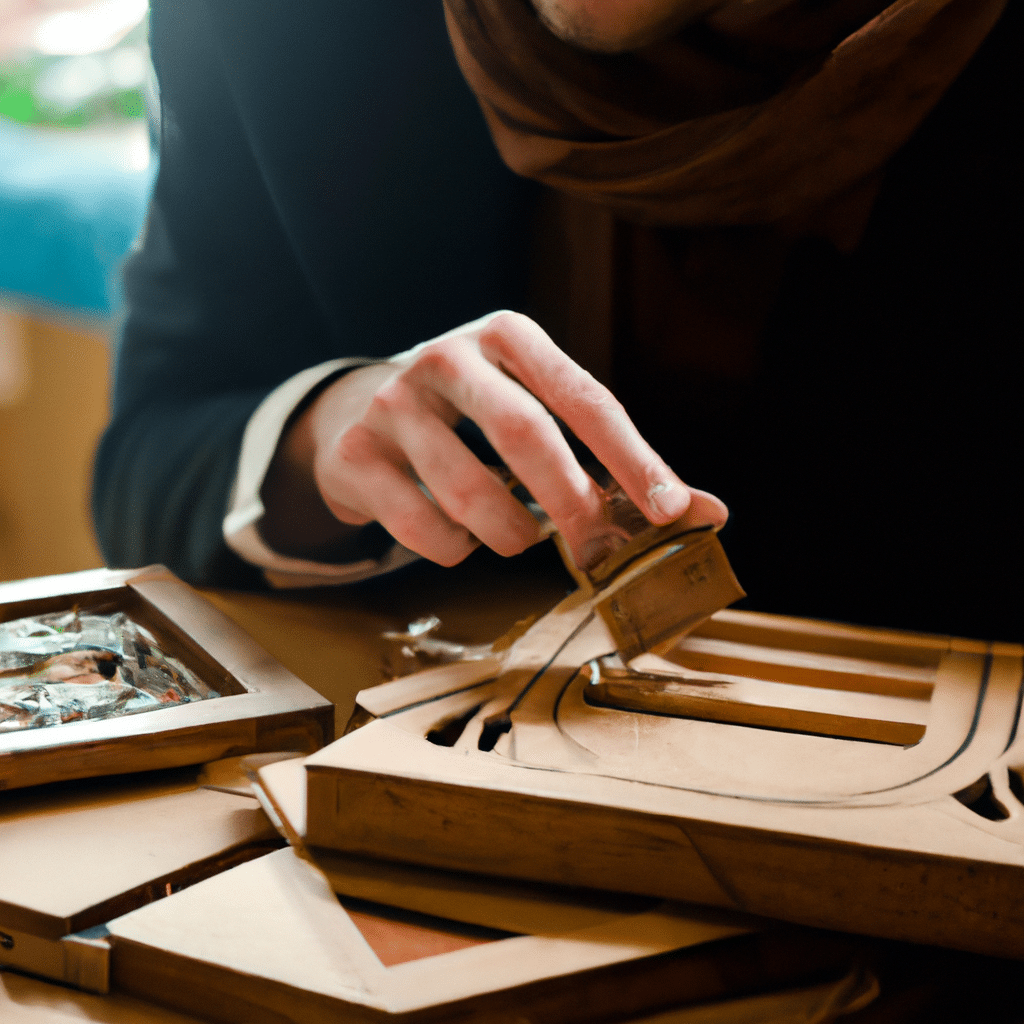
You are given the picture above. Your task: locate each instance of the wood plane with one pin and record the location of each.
(292, 938)
(75, 855)
(842, 777)
(262, 706)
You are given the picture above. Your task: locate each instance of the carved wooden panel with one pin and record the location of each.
(830, 775)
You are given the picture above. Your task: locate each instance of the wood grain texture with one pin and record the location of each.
(513, 906)
(654, 609)
(295, 937)
(716, 697)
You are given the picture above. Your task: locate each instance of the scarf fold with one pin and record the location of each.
(717, 126)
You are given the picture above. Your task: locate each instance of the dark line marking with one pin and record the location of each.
(1016, 717)
(561, 694)
(811, 802)
(619, 570)
(982, 690)
(440, 696)
(565, 643)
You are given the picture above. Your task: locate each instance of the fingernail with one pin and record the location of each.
(668, 499)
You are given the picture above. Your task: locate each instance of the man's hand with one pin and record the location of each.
(371, 438)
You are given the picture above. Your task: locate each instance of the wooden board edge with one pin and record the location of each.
(480, 831)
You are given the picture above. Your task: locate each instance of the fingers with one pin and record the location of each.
(467, 492)
(361, 478)
(524, 434)
(705, 509)
(590, 410)
(495, 385)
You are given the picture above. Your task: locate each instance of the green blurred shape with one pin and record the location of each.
(19, 105)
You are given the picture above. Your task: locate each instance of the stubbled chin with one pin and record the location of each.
(616, 27)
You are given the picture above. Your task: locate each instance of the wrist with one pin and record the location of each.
(296, 521)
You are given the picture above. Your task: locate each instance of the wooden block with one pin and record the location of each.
(506, 904)
(656, 608)
(263, 707)
(80, 960)
(859, 779)
(716, 697)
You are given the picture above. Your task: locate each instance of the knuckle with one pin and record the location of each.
(465, 492)
(463, 496)
(356, 446)
(441, 359)
(407, 528)
(575, 390)
(597, 395)
(510, 333)
(391, 399)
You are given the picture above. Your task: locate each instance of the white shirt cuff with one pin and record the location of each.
(246, 507)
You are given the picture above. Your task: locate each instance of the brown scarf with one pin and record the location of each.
(771, 121)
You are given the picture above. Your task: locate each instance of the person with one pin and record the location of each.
(328, 200)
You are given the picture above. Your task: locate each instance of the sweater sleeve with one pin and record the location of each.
(327, 190)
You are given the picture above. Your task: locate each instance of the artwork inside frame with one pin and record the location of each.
(74, 666)
(258, 705)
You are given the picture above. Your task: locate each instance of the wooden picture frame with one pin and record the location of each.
(263, 707)
(835, 776)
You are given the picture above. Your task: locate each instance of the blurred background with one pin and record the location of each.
(77, 163)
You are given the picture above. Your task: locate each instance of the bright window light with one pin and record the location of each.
(89, 30)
